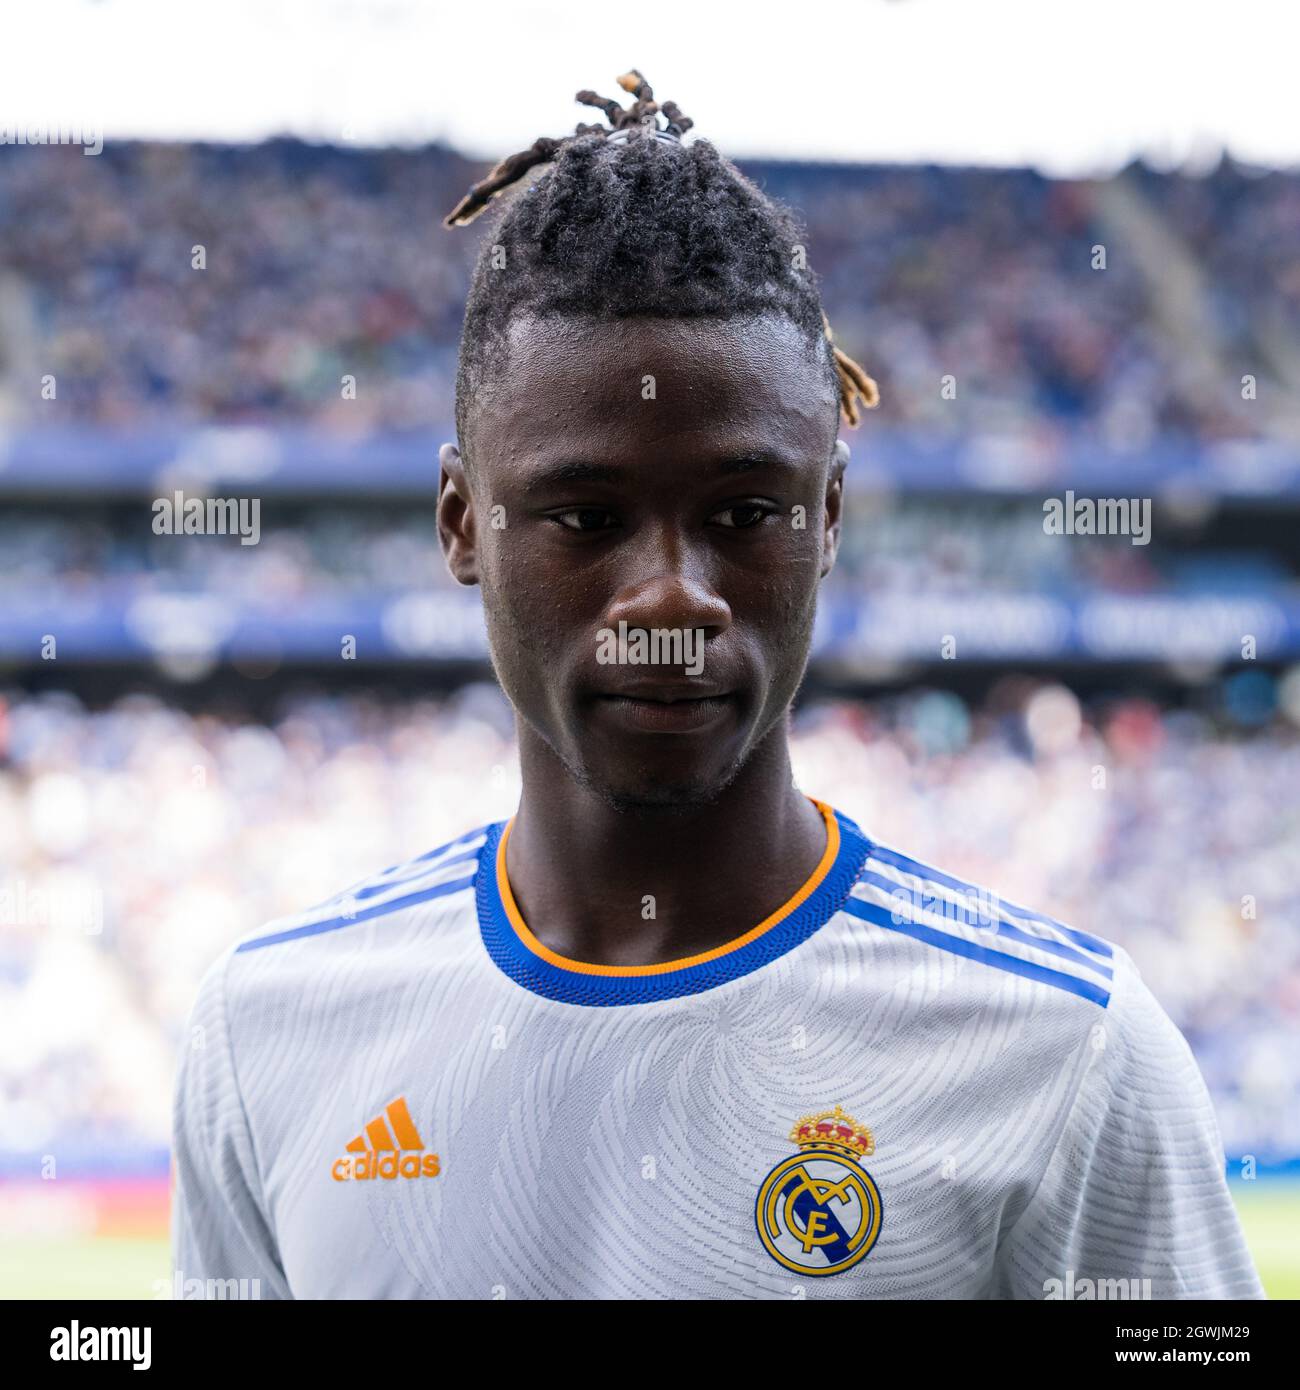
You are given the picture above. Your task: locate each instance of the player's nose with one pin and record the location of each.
(668, 587)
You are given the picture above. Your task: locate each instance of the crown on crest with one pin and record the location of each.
(833, 1129)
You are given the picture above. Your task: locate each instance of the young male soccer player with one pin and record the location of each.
(676, 1029)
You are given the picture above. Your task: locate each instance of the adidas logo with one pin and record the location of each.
(378, 1156)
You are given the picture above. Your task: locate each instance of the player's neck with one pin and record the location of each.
(618, 887)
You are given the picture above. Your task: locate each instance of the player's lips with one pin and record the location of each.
(666, 708)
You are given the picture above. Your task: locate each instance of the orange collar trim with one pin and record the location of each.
(515, 917)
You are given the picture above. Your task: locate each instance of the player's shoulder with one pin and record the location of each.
(936, 911)
(436, 878)
(1059, 988)
(311, 970)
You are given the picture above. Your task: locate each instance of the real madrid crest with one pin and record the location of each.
(819, 1212)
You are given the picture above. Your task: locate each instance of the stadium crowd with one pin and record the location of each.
(138, 840)
(321, 262)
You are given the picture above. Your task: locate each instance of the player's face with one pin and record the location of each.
(679, 477)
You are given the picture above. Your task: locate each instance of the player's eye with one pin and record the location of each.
(585, 519)
(742, 516)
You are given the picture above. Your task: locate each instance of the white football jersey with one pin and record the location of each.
(896, 1086)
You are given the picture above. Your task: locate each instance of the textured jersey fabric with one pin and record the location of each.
(896, 1087)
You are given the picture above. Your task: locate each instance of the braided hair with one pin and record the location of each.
(631, 221)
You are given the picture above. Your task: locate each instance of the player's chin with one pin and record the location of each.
(667, 775)
(661, 795)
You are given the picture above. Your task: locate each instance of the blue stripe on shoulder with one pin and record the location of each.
(381, 883)
(380, 886)
(1095, 944)
(374, 886)
(999, 960)
(439, 890)
(432, 853)
(1003, 929)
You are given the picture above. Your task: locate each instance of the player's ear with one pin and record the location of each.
(456, 520)
(834, 506)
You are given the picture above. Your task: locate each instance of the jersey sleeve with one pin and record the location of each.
(220, 1229)
(1135, 1188)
